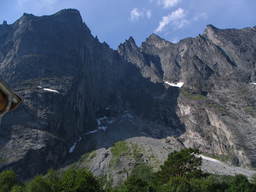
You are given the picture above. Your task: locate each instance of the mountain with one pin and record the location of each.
(88, 105)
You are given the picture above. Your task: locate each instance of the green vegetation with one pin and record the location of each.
(129, 150)
(253, 179)
(180, 173)
(181, 164)
(192, 96)
(136, 152)
(88, 156)
(71, 180)
(119, 149)
(7, 180)
(17, 189)
(250, 110)
(217, 107)
(141, 179)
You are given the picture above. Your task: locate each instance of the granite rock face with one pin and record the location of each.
(55, 65)
(80, 95)
(216, 103)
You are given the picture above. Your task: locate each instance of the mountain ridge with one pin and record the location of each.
(80, 95)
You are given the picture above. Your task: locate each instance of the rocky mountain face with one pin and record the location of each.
(81, 96)
(216, 103)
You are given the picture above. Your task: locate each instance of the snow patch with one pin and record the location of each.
(48, 89)
(253, 83)
(209, 159)
(103, 128)
(178, 84)
(91, 132)
(102, 124)
(73, 147)
(127, 115)
(101, 120)
(51, 90)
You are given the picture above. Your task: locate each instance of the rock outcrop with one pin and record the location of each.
(80, 95)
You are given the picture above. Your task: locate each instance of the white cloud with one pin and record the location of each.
(163, 23)
(137, 14)
(177, 18)
(177, 14)
(168, 3)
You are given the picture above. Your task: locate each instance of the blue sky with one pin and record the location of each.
(113, 21)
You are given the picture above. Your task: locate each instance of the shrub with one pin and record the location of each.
(177, 184)
(17, 189)
(192, 96)
(120, 148)
(38, 184)
(7, 181)
(79, 180)
(240, 183)
(181, 164)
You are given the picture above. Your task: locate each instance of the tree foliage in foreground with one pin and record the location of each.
(7, 181)
(71, 180)
(184, 163)
(180, 173)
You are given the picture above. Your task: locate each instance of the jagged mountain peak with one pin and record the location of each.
(211, 26)
(155, 41)
(154, 37)
(26, 17)
(210, 29)
(131, 41)
(129, 44)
